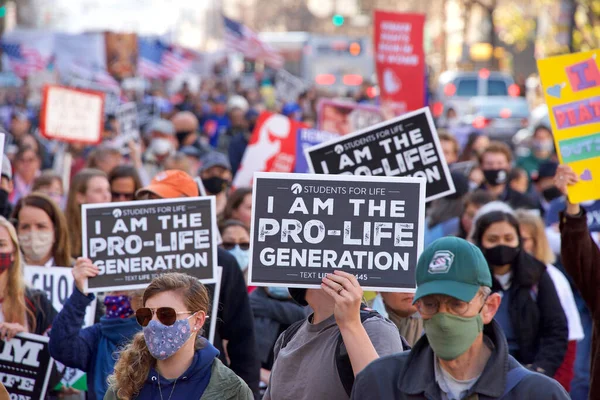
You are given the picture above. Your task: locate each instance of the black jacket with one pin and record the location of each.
(271, 318)
(37, 302)
(410, 375)
(539, 324)
(235, 323)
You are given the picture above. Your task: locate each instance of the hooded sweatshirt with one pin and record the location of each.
(89, 349)
(190, 385)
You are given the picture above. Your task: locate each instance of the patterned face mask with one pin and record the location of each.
(163, 341)
(118, 307)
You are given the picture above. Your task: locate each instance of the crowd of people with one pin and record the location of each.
(513, 318)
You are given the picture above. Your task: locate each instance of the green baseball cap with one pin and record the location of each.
(454, 267)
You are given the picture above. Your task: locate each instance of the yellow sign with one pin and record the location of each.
(572, 89)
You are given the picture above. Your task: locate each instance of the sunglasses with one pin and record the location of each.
(166, 315)
(231, 245)
(117, 195)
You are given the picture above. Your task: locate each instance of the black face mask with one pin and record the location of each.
(495, 177)
(551, 193)
(182, 135)
(501, 255)
(215, 185)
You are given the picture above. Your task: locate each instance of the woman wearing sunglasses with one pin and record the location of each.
(236, 240)
(92, 349)
(170, 360)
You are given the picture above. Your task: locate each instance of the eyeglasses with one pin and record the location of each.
(166, 315)
(117, 195)
(231, 245)
(430, 305)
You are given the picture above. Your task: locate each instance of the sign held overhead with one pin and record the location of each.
(305, 226)
(404, 146)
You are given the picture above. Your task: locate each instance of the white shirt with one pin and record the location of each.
(565, 295)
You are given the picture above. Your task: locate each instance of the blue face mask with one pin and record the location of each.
(163, 341)
(241, 256)
(279, 293)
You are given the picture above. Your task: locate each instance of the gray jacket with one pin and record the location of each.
(410, 375)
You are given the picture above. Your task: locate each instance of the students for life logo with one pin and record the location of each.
(117, 213)
(296, 188)
(441, 262)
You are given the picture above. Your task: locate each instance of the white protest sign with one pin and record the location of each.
(72, 115)
(58, 284)
(288, 87)
(215, 306)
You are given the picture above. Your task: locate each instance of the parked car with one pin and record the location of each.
(456, 88)
(498, 117)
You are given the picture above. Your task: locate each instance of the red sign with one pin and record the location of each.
(400, 60)
(72, 115)
(272, 148)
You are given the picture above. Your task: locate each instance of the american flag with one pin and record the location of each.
(243, 39)
(96, 75)
(157, 60)
(24, 60)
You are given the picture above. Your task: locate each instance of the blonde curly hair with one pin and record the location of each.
(135, 361)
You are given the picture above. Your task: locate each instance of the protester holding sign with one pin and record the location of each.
(581, 259)
(93, 349)
(236, 241)
(530, 315)
(171, 356)
(89, 186)
(43, 232)
(463, 353)
(314, 341)
(215, 172)
(23, 310)
(234, 318)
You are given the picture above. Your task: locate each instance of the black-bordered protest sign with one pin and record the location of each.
(403, 146)
(25, 365)
(58, 284)
(304, 226)
(127, 116)
(133, 242)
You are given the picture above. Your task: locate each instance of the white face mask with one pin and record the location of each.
(161, 147)
(36, 245)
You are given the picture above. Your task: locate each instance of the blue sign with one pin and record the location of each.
(592, 208)
(308, 138)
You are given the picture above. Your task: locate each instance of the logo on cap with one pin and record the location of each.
(441, 262)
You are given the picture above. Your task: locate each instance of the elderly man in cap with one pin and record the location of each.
(215, 172)
(235, 323)
(463, 354)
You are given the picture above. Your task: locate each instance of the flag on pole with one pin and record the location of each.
(158, 60)
(24, 60)
(240, 38)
